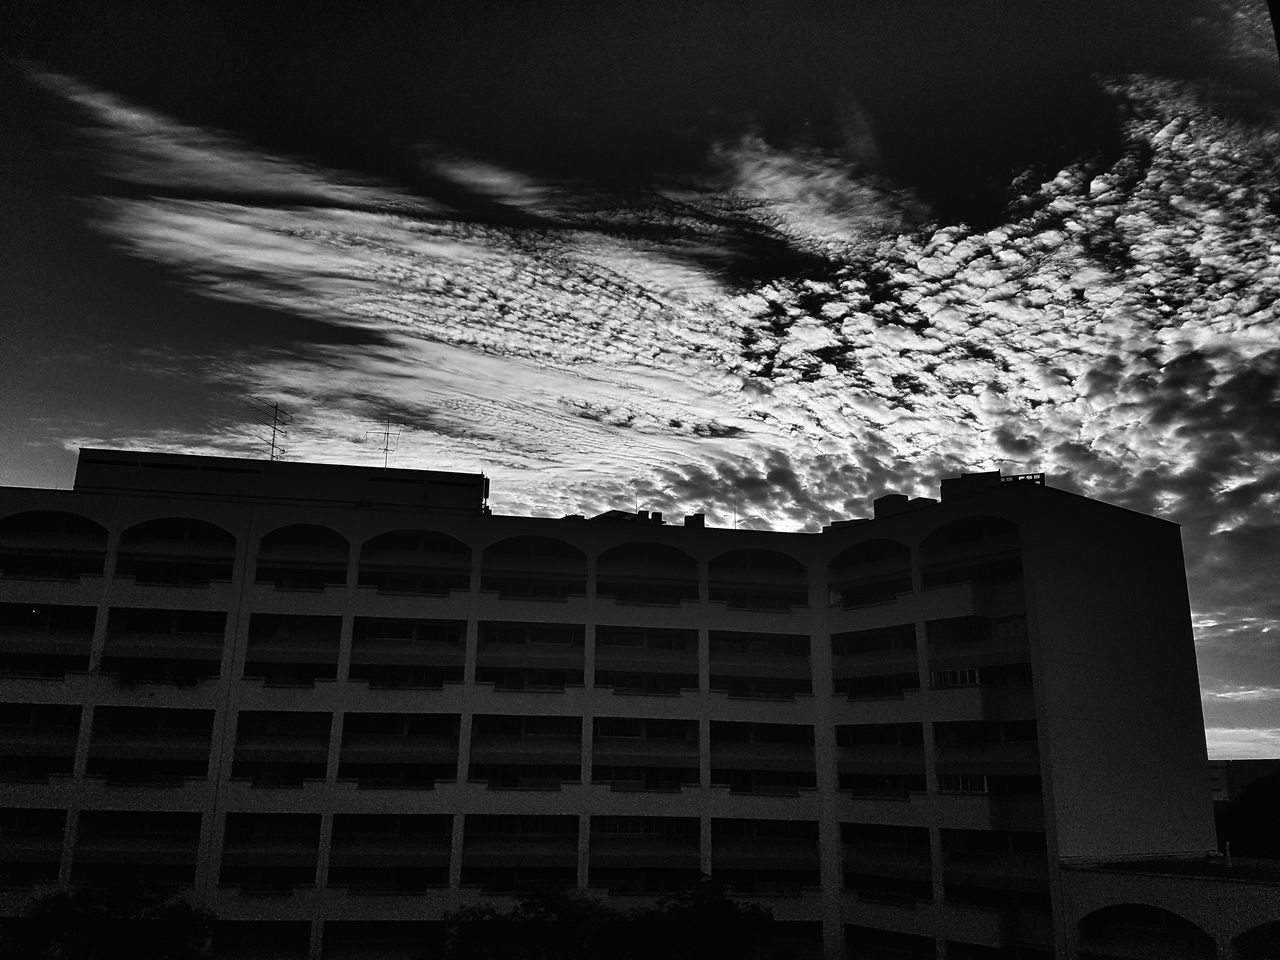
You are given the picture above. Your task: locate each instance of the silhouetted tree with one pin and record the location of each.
(553, 924)
(108, 922)
(1250, 822)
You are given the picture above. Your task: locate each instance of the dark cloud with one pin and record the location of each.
(616, 92)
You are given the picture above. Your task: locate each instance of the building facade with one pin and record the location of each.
(332, 704)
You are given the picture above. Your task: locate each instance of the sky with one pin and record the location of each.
(760, 259)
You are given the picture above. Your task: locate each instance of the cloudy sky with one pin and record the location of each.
(758, 256)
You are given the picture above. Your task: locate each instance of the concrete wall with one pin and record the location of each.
(1117, 682)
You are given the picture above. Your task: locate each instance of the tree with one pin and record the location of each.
(1250, 822)
(554, 924)
(106, 922)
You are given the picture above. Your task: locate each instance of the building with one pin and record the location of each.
(333, 703)
(1230, 778)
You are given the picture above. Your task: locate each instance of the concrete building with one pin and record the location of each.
(333, 703)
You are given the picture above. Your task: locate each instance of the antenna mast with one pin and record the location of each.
(274, 422)
(389, 437)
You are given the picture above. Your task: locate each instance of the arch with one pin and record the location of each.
(758, 580)
(1259, 943)
(645, 572)
(1140, 931)
(51, 545)
(302, 556)
(534, 568)
(176, 550)
(980, 548)
(415, 561)
(873, 571)
(521, 551)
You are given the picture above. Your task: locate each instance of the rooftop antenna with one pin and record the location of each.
(274, 422)
(389, 435)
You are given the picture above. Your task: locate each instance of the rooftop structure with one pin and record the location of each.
(333, 703)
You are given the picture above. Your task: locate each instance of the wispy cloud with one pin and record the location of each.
(1242, 743)
(1246, 694)
(784, 338)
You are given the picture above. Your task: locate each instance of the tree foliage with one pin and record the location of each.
(109, 922)
(1250, 822)
(554, 924)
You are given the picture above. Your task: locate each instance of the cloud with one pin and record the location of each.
(1242, 743)
(781, 335)
(1248, 694)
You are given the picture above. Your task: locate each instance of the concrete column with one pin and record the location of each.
(83, 736)
(455, 852)
(584, 850)
(704, 788)
(464, 747)
(589, 653)
(335, 746)
(704, 660)
(100, 624)
(825, 755)
(345, 641)
(472, 642)
(69, 834)
(322, 856)
(704, 842)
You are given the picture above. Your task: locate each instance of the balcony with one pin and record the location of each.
(401, 652)
(763, 580)
(985, 811)
(984, 926)
(764, 853)
(645, 752)
(37, 741)
(639, 659)
(915, 919)
(51, 545)
(44, 640)
(982, 702)
(647, 591)
(149, 756)
(172, 644)
(1001, 871)
(270, 852)
(897, 861)
(645, 852)
(546, 656)
(879, 759)
(1012, 758)
(390, 853)
(502, 853)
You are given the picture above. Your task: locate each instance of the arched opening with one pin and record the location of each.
(302, 557)
(51, 545)
(176, 550)
(758, 580)
(982, 549)
(647, 573)
(417, 562)
(1134, 931)
(1260, 943)
(874, 571)
(534, 568)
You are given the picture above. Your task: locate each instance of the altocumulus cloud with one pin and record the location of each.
(1116, 330)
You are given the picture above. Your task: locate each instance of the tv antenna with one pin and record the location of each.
(388, 436)
(273, 422)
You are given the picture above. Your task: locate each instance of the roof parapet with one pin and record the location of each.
(892, 504)
(968, 484)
